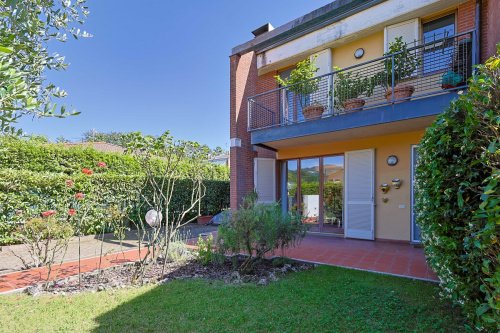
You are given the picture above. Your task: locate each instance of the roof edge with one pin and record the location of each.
(314, 20)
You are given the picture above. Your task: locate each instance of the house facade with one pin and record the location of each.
(340, 148)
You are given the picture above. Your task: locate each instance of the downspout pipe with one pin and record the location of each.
(477, 23)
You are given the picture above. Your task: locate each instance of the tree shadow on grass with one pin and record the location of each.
(321, 300)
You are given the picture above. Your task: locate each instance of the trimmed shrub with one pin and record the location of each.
(458, 198)
(258, 229)
(25, 194)
(33, 155)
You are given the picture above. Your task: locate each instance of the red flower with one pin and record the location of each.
(79, 196)
(70, 183)
(71, 212)
(48, 213)
(101, 165)
(87, 171)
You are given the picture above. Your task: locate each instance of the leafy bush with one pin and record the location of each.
(24, 194)
(206, 253)
(258, 229)
(44, 238)
(34, 155)
(458, 198)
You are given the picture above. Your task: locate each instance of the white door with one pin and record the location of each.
(359, 194)
(265, 179)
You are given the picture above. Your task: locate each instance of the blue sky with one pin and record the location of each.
(158, 65)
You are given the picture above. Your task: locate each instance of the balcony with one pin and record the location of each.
(364, 94)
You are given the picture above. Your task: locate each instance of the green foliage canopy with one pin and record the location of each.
(458, 197)
(26, 28)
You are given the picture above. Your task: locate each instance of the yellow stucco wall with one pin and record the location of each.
(391, 221)
(343, 56)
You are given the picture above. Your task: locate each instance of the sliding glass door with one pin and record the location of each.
(315, 188)
(333, 194)
(310, 192)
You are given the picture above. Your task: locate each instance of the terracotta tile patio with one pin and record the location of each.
(382, 257)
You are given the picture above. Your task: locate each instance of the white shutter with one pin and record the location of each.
(359, 205)
(409, 30)
(265, 179)
(323, 62)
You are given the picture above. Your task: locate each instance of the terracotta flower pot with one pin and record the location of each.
(401, 91)
(204, 219)
(313, 111)
(353, 104)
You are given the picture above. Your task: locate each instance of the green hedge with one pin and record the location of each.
(33, 155)
(25, 194)
(458, 198)
(33, 175)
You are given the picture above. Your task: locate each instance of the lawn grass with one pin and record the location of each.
(326, 299)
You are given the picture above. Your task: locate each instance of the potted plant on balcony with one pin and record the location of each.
(401, 69)
(349, 86)
(302, 83)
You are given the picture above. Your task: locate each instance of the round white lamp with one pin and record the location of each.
(153, 218)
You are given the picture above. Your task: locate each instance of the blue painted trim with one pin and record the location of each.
(412, 109)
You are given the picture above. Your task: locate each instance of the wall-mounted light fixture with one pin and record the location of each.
(359, 53)
(392, 160)
(384, 188)
(396, 183)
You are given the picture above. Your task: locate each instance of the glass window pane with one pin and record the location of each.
(309, 190)
(333, 194)
(291, 184)
(438, 55)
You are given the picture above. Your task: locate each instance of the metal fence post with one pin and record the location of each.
(393, 76)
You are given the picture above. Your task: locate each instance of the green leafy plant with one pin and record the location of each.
(458, 197)
(301, 80)
(206, 251)
(33, 175)
(405, 64)
(349, 85)
(26, 28)
(44, 238)
(258, 229)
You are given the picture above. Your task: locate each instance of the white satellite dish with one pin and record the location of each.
(153, 218)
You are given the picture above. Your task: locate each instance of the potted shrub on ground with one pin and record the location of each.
(301, 82)
(349, 86)
(404, 65)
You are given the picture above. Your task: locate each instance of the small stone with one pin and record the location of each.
(286, 268)
(263, 282)
(101, 287)
(63, 293)
(33, 290)
(272, 277)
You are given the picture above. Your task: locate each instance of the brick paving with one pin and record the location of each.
(382, 257)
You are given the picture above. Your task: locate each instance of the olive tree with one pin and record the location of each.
(26, 28)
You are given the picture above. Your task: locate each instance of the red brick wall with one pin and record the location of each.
(489, 32)
(490, 28)
(244, 82)
(466, 16)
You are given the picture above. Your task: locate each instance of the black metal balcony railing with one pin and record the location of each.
(433, 67)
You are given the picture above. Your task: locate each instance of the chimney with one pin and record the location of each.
(261, 30)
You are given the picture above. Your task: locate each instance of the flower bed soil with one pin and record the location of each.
(117, 277)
